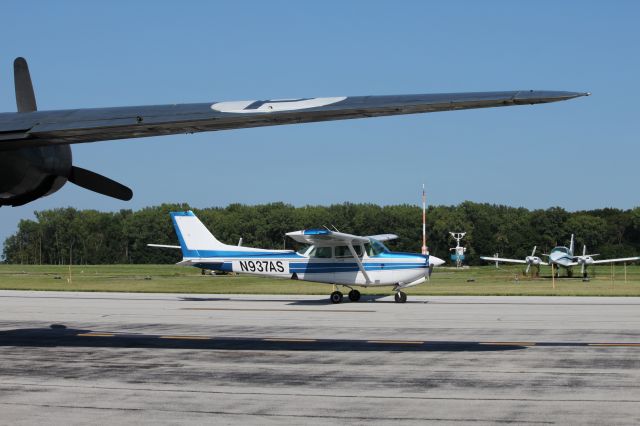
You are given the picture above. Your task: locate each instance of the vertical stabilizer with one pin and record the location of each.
(25, 97)
(193, 235)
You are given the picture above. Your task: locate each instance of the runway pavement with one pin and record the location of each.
(108, 358)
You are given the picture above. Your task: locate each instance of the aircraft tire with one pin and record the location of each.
(401, 297)
(336, 297)
(354, 295)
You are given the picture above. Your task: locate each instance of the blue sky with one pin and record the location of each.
(580, 154)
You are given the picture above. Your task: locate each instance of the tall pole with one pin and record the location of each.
(424, 221)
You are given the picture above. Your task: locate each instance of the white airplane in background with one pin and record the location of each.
(327, 256)
(562, 256)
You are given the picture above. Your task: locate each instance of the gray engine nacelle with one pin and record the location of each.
(30, 173)
(585, 260)
(533, 260)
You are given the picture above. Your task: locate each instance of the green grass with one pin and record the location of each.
(487, 280)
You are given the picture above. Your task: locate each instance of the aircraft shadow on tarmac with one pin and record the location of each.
(315, 302)
(58, 335)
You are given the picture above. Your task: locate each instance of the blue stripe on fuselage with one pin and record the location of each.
(323, 268)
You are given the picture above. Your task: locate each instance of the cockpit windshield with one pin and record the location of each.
(560, 250)
(375, 247)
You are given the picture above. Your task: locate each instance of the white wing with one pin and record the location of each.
(383, 237)
(504, 260)
(501, 259)
(620, 260)
(325, 237)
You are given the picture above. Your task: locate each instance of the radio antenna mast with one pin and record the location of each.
(424, 222)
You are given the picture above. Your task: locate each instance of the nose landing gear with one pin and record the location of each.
(401, 297)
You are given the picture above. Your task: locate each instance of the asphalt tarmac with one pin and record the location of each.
(108, 358)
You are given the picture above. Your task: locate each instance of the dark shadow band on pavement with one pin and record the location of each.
(60, 336)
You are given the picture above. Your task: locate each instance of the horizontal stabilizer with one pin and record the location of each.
(191, 262)
(100, 184)
(163, 246)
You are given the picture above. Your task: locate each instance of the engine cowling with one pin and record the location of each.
(585, 260)
(533, 260)
(30, 173)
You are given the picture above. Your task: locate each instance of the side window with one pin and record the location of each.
(321, 252)
(343, 251)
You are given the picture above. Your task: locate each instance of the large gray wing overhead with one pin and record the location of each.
(40, 128)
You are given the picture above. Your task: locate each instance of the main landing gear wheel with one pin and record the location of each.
(401, 297)
(354, 295)
(336, 297)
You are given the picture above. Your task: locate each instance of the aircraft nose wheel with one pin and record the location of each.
(336, 297)
(354, 295)
(401, 297)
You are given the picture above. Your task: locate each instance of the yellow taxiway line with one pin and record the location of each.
(509, 343)
(96, 335)
(614, 344)
(185, 337)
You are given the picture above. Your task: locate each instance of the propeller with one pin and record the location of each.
(98, 183)
(26, 102)
(585, 260)
(532, 260)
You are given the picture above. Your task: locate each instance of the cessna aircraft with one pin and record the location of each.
(326, 256)
(562, 256)
(35, 152)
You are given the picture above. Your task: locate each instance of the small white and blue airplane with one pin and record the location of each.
(562, 257)
(326, 256)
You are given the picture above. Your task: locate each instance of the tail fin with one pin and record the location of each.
(571, 246)
(25, 97)
(193, 235)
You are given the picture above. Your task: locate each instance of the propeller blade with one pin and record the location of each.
(533, 253)
(100, 184)
(584, 250)
(527, 270)
(582, 269)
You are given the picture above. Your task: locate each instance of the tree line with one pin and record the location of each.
(67, 235)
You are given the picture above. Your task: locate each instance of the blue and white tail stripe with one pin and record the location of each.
(196, 241)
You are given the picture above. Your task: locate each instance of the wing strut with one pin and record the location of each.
(359, 262)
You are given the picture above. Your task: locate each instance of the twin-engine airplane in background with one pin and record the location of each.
(327, 256)
(562, 257)
(35, 152)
